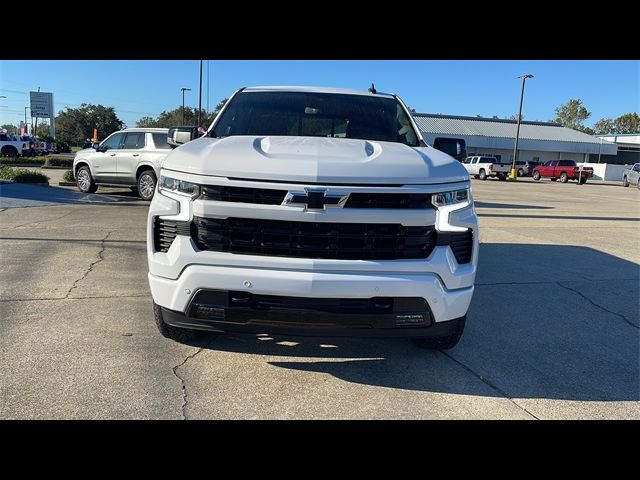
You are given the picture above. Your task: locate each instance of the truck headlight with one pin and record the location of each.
(179, 186)
(451, 198)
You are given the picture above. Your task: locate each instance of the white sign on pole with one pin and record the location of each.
(42, 107)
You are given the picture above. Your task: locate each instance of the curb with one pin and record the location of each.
(23, 165)
(46, 167)
(67, 184)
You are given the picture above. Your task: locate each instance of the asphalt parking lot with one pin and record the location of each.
(552, 330)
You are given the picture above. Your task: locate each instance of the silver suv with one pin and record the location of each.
(127, 158)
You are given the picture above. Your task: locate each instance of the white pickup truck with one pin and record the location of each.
(11, 145)
(313, 211)
(483, 166)
(631, 176)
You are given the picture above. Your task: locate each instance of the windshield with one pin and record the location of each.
(303, 114)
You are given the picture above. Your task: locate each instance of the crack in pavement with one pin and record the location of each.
(629, 322)
(552, 281)
(141, 295)
(44, 221)
(93, 264)
(183, 384)
(488, 383)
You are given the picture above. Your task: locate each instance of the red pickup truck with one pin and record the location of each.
(564, 170)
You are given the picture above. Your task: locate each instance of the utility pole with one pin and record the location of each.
(183, 89)
(600, 150)
(513, 175)
(35, 129)
(200, 95)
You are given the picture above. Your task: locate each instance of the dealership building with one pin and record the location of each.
(539, 141)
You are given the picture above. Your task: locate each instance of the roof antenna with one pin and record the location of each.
(372, 89)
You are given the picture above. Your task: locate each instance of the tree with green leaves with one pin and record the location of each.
(10, 128)
(173, 117)
(74, 125)
(572, 114)
(627, 123)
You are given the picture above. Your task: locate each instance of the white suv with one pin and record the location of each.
(312, 211)
(128, 158)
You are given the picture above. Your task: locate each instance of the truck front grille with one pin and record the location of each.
(345, 241)
(267, 196)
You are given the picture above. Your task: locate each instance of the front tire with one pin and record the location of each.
(520, 173)
(9, 151)
(502, 177)
(444, 343)
(625, 182)
(564, 178)
(536, 176)
(482, 175)
(583, 181)
(146, 184)
(171, 332)
(85, 181)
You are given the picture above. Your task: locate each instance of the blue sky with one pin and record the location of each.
(478, 87)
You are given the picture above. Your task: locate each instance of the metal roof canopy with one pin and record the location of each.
(498, 133)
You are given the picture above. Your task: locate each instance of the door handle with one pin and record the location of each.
(112, 154)
(136, 154)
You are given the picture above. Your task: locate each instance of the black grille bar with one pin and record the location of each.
(346, 241)
(261, 196)
(266, 196)
(389, 200)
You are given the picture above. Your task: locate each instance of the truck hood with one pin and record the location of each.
(315, 160)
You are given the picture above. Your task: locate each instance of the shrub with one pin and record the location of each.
(22, 175)
(68, 176)
(63, 147)
(21, 160)
(59, 162)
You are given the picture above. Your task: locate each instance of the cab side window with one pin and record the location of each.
(134, 141)
(113, 142)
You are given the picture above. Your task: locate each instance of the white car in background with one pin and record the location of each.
(127, 158)
(631, 176)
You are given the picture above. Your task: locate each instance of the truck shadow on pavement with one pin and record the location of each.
(26, 195)
(546, 321)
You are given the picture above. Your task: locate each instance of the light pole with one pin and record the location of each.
(513, 175)
(200, 95)
(25, 117)
(183, 89)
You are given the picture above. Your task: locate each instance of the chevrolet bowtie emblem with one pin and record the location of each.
(314, 199)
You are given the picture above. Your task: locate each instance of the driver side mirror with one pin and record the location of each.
(180, 135)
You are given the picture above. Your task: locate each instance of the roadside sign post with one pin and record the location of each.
(42, 107)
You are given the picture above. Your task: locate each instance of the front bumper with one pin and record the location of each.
(222, 311)
(443, 304)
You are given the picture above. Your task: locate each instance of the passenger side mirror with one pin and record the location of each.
(180, 135)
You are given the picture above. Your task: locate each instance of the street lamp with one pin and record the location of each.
(25, 117)
(513, 174)
(183, 89)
